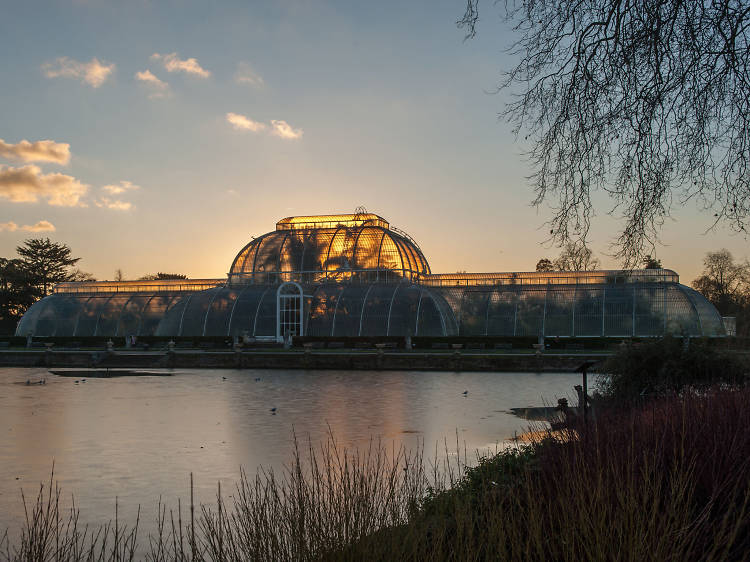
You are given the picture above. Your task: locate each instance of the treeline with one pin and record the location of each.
(37, 267)
(29, 277)
(726, 284)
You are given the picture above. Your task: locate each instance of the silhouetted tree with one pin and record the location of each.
(81, 276)
(24, 281)
(651, 263)
(46, 262)
(575, 257)
(646, 100)
(17, 293)
(724, 282)
(544, 265)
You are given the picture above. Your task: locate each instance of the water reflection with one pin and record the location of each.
(139, 438)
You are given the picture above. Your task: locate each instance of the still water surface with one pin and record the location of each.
(139, 438)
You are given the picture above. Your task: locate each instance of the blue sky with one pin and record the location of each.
(336, 105)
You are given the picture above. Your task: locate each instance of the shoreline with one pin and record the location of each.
(306, 360)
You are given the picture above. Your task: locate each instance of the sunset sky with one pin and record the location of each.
(159, 136)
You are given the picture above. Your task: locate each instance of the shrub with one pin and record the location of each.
(666, 366)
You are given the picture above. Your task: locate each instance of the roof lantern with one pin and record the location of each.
(331, 221)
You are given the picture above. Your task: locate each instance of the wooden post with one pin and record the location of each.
(585, 393)
(583, 369)
(192, 520)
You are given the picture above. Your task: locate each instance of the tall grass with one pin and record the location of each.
(324, 500)
(669, 480)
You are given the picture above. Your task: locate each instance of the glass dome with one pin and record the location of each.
(337, 247)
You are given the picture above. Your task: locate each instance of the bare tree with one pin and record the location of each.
(81, 276)
(119, 275)
(646, 100)
(724, 282)
(575, 257)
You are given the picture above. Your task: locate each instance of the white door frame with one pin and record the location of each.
(299, 297)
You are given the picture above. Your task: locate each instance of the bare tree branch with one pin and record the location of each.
(645, 100)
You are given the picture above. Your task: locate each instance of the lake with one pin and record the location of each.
(139, 438)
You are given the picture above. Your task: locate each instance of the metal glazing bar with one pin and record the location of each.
(390, 308)
(208, 311)
(234, 305)
(182, 316)
(362, 312)
(257, 310)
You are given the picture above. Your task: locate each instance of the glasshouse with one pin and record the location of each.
(356, 275)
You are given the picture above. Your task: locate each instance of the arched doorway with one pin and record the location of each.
(289, 311)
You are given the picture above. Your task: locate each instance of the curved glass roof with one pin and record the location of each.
(585, 310)
(329, 309)
(381, 309)
(335, 247)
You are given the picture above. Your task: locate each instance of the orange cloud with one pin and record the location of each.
(114, 204)
(285, 131)
(174, 64)
(159, 88)
(38, 151)
(242, 123)
(41, 226)
(28, 184)
(122, 188)
(93, 72)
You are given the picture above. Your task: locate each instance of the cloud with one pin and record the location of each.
(122, 188)
(284, 130)
(28, 184)
(116, 189)
(242, 123)
(41, 226)
(39, 151)
(159, 88)
(93, 72)
(173, 64)
(246, 75)
(115, 204)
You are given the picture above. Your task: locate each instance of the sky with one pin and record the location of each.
(160, 136)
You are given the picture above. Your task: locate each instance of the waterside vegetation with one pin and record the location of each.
(660, 475)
